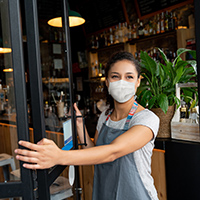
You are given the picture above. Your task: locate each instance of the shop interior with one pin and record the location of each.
(160, 31)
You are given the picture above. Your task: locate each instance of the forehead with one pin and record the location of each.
(123, 66)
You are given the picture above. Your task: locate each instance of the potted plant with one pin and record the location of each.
(158, 86)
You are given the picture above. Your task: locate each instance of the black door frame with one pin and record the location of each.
(33, 184)
(45, 178)
(17, 189)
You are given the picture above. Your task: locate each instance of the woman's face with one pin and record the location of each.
(123, 70)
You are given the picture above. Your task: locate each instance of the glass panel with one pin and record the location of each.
(55, 80)
(8, 127)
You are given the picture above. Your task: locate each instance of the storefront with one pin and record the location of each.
(44, 70)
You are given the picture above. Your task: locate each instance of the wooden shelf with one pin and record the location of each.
(152, 37)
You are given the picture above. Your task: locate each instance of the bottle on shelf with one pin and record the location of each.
(103, 69)
(166, 21)
(150, 31)
(162, 23)
(111, 41)
(141, 30)
(46, 109)
(134, 31)
(158, 24)
(146, 30)
(96, 68)
(154, 54)
(193, 117)
(100, 69)
(116, 41)
(154, 24)
(175, 20)
(183, 113)
(96, 42)
(93, 70)
(125, 32)
(171, 25)
(129, 33)
(120, 31)
(138, 25)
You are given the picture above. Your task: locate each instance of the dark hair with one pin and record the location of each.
(119, 56)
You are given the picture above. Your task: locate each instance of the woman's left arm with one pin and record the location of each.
(46, 154)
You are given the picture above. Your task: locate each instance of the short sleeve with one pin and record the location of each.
(146, 118)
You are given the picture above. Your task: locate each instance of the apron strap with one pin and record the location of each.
(130, 115)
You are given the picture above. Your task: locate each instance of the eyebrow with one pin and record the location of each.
(126, 73)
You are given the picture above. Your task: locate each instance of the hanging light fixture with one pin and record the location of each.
(5, 50)
(8, 70)
(75, 19)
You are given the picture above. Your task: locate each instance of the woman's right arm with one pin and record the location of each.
(79, 125)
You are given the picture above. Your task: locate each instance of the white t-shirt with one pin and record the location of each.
(142, 156)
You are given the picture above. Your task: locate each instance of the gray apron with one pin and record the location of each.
(118, 180)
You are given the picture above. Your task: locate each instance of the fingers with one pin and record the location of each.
(29, 145)
(76, 109)
(25, 152)
(27, 159)
(32, 166)
(44, 141)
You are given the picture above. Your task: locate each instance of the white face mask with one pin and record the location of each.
(121, 90)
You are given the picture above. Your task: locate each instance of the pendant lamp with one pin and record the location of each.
(75, 19)
(8, 70)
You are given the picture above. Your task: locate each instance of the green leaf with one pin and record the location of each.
(163, 56)
(177, 102)
(180, 63)
(181, 51)
(179, 73)
(193, 63)
(169, 90)
(166, 70)
(162, 74)
(145, 97)
(165, 83)
(149, 63)
(193, 53)
(151, 102)
(163, 102)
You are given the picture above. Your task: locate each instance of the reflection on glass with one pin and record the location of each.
(61, 187)
(55, 82)
(54, 71)
(8, 128)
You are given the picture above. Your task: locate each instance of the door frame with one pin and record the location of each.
(16, 189)
(45, 178)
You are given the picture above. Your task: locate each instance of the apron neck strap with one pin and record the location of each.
(130, 115)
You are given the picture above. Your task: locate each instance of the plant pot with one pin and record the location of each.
(165, 121)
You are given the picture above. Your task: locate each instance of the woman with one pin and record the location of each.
(123, 141)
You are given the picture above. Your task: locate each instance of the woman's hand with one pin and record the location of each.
(79, 119)
(44, 154)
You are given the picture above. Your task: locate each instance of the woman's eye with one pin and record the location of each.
(114, 76)
(130, 77)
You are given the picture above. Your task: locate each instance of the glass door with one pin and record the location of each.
(14, 121)
(37, 94)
